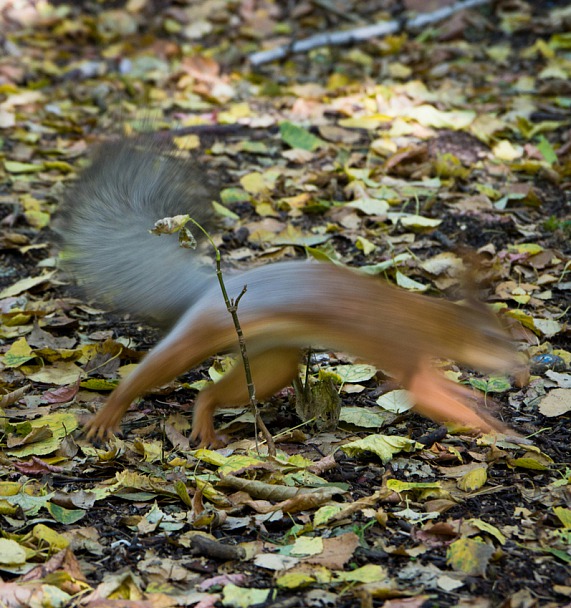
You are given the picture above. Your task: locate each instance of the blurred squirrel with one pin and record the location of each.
(106, 217)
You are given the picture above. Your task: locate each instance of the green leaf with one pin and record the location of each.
(547, 150)
(234, 195)
(65, 516)
(222, 211)
(298, 137)
(494, 384)
(560, 554)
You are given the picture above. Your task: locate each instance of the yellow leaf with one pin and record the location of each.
(535, 462)
(473, 480)
(98, 384)
(11, 553)
(384, 446)
(16, 167)
(365, 245)
(325, 513)
(371, 573)
(238, 462)
(484, 526)
(305, 546)
(254, 183)
(405, 486)
(564, 516)
(530, 248)
(10, 488)
(365, 122)
(429, 116)
(469, 556)
(51, 537)
(210, 457)
(19, 353)
(337, 80)
(295, 580)
(187, 142)
(236, 110)
(505, 150)
(61, 373)
(243, 597)
(152, 451)
(25, 284)
(34, 212)
(265, 209)
(410, 220)
(59, 424)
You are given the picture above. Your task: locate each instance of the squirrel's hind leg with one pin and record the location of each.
(271, 371)
(442, 400)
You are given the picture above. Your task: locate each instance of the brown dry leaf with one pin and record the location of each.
(437, 535)
(64, 562)
(556, 403)
(336, 551)
(306, 501)
(14, 595)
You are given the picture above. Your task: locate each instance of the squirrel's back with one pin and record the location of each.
(105, 221)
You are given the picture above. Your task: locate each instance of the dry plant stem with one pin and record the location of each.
(232, 307)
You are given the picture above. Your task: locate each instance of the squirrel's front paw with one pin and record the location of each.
(208, 438)
(102, 426)
(203, 424)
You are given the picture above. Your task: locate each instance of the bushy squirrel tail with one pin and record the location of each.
(105, 221)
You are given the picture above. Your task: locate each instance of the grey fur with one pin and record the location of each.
(105, 221)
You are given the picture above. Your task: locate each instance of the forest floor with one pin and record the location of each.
(396, 155)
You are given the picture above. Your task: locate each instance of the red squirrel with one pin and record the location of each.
(106, 217)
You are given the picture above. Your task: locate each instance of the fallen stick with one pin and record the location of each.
(382, 28)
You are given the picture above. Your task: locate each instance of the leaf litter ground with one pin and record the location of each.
(392, 155)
